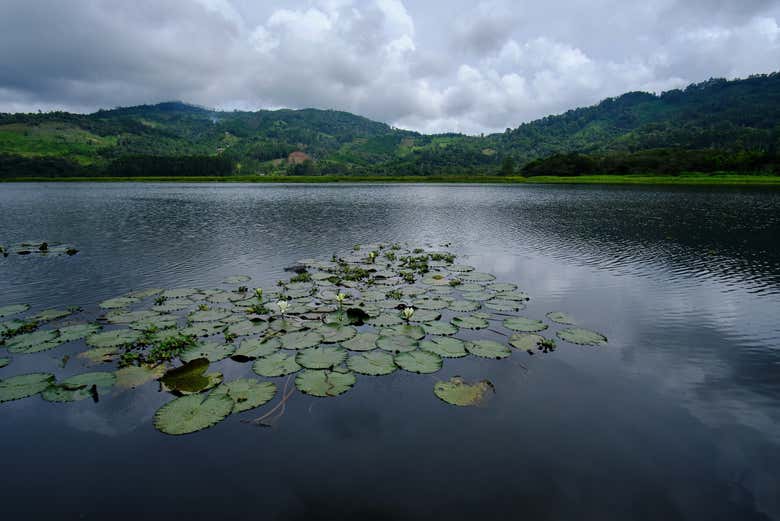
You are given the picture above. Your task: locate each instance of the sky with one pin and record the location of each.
(434, 66)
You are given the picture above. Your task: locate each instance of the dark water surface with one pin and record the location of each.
(678, 417)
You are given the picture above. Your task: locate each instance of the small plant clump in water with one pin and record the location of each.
(368, 312)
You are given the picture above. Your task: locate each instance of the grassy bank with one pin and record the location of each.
(687, 179)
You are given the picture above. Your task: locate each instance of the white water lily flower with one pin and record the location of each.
(340, 297)
(283, 305)
(407, 313)
(259, 292)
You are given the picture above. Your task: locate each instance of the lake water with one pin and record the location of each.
(677, 417)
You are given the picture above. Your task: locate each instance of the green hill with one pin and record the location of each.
(714, 125)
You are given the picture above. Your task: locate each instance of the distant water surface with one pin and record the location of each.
(678, 417)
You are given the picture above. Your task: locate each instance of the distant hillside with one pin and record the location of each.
(714, 125)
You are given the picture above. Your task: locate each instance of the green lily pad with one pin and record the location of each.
(118, 302)
(134, 376)
(581, 336)
(335, 333)
(204, 329)
(246, 327)
(425, 315)
(463, 306)
(460, 268)
(276, 364)
(361, 342)
(419, 361)
(78, 387)
(13, 309)
(179, 293)
(257, 348)
(525, 325)
(445, 346)
(145, 293)
(237, 279)
(478, 296)
(50, 314)
(430, 304)
(77, 331)
(246, 393)
(211, 315)
(502, 286)
(324, 383)
(300, 340)
(513, 295)
(193, 413)
(415, 332)
(172, 305)
(439, 328)
(488, 349)
(126, 317)
(191, 378)
(504, 305)
(100, 355)
(476, 276)
(456, 391)
(374, 363)
(4, 361)
(34, 342)
(154, 323)
(211, 351)
(286, 325)
(24, 385)
(435, 279)
(469, 322)
(114, 338)
(471, 286)
(396, 343)
(321, 357)
(525, 341)
(385, 319)
(559, 317)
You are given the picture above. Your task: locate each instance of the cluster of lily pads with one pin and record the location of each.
(38, 248)
(369, 312)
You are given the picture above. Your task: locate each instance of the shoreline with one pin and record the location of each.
(682, 180)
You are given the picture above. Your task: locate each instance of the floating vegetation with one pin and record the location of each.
(39, 248)
(372, 311)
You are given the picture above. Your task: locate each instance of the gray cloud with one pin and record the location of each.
(430, 66)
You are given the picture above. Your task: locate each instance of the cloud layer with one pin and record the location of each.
(431, 66)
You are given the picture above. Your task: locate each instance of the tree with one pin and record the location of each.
(508, 166)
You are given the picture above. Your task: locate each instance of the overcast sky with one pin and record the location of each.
(433, 65)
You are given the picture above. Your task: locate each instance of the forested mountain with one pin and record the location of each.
(714, 125)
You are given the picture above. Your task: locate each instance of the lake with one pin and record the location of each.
(677, 417)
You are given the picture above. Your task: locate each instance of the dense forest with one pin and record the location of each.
(714, 126)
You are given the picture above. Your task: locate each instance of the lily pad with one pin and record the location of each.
(559, 317)
(77, 331)
(145, 293)
(431, 304)
(469, 322)
(476, 276)
(324, 383)
(171, 305)
(385, 319)
(276, 364)
(154, 323)
(581, 336)
(478, 296)
(246, 393)
(13, 309)
(257, 348)
(4, 361)
(525, 341)
(211, 351)
(237, 279)
(361, 342)
(118, 302)
(457, 392)
(78, 387)
(425, 315)
(335, 333)
(100, 355)
(126, 317)
(488, 349)
(513, 295)
(191, 378)
(321, 357)
(193, 413)
(300, 339)
(445, 346)
(374, 363)
(179, 293)
(396, 343)
(504, 305)
(204, 329)
(50, 314)
(439, 327)
(24, 385)
(502, 286)
(114, 338)
(246, 327)
(211, 315)
(134, 376)
(525, 325)
(463, 306)
(423, 362)
(460, 268)
(34, 342)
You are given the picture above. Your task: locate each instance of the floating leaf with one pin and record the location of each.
(118, 302)
(237, 279)
(439, 328)
(114, 338)
(193, 413)
(204, 329)
(100, 355)
(257, 348)
(559, 317)
(415, 332)
(145, 293)
(578, 335)
(13, 309)
(211, 315)
(374, 363)
(425, 315)
(179, 293)
(361, 342)
(277, 364)
(4, 361)
(246, 393)
(77, 332)
(525, 341)
(419, 361)
(488, 349)
(324, 383)
(463, 306)
(134, 376)
(246, 327)
(300, 339)
(191, 377)
(154, 323)
(460, 268)
(457, 392)
(321, 357)
(211, 351)
(50, 314)
(171, 305)
(526, 325)
(126, 317)
(396, 343)
(476, 276)
(502, 286)
(469, 322)
(478, 295)
(335, 333)
(504, 305)
(78, 387)
(24, 385)
(513, 295)
(385, 319)
(445, 346)
(34, 342)
(431, 304)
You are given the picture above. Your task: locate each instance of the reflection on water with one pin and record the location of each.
(676, 418)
